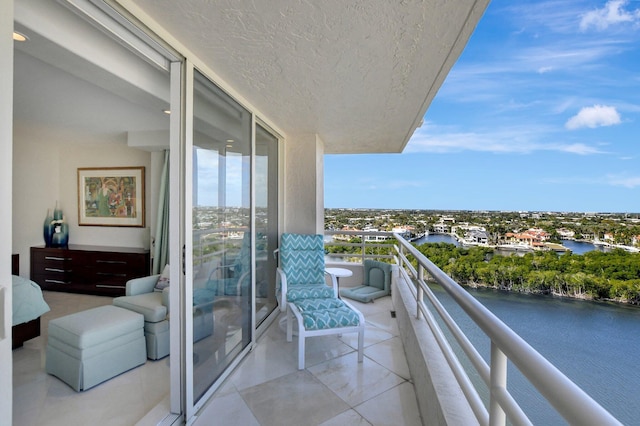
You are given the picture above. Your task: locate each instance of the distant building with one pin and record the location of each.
(565, 234)
(479, 237)
(534, 237)
(441, 228)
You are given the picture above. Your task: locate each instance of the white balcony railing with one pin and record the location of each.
(569, 400)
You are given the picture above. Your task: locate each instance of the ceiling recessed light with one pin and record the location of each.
(19, 37)
(230, 141)
(166, 111)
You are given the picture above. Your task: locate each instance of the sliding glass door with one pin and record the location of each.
(266, 201)
(221, 252)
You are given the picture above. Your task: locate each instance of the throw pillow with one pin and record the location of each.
(163, 280)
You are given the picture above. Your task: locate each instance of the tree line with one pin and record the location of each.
(593, 275)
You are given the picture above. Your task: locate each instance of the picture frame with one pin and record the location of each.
(111, 196)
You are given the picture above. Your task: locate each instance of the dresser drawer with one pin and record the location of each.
(87, 269)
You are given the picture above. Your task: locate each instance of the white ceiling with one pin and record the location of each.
(361, 74)
(68, 78)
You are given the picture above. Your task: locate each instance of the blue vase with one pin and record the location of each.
(57, 213)
(48, 229)
(60, 237)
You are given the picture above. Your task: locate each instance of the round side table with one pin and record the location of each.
(339, 273)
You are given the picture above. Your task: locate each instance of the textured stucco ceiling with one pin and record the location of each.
(361, 74)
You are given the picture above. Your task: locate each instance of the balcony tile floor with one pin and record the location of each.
(334, 389)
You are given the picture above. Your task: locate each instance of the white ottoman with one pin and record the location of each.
(92, 346)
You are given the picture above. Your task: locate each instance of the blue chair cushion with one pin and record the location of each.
(377, 274)
(148, 304)
(309, 292)
(302, 258)
(322, 313)
(363, 293)
(307, 305)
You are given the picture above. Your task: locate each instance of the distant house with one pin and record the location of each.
(565, 234)
(532, 237)
(441, 228)
(479, 237)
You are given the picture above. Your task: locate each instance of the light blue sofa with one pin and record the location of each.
(141, 297)
(377, 283)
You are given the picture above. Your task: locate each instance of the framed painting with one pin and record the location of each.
(112, 196)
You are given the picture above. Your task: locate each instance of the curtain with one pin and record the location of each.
(161, 248)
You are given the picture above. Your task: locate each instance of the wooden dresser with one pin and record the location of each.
(88, 269)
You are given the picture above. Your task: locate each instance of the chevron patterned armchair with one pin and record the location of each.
(304, 294)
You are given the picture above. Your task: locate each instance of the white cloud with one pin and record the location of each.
(517, 140)
(579, 148)
(626, 181)
(612, 13)
(595, 116)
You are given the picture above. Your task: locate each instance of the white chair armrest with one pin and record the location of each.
(141, 285)
(334, 283)
(281, 286)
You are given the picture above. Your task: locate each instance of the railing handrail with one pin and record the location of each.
(364, 244)
(570, 401)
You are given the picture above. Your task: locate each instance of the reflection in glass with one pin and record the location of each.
(266, 186)
(221, 232)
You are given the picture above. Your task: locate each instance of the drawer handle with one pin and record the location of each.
(120, 262)
(57, 281)
(109, 274)
(57, 270)
(110, 286)
(57, 258)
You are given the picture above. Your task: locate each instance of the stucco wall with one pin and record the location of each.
(304, 184)
(45, 171)
(440, 398)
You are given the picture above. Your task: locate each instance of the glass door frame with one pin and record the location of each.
(191, 406)
(177, 129)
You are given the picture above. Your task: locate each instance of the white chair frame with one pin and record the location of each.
(303, 333)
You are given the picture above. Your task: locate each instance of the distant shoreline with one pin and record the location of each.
(579, 296)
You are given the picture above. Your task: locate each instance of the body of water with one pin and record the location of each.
(438, 238)
(595, 344)
(576, 247)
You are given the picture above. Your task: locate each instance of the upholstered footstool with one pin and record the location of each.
(323, 316)
(89, 347)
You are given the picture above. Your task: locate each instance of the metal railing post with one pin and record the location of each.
(420, 292)
(498, 383)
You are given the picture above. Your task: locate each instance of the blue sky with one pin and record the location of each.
(541, 112)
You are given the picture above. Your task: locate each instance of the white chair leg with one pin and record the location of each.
(301, 341)
(289, 325)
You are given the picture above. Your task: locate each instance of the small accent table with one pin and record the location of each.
(339, 273)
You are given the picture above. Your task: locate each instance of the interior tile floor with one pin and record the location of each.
(41, 399)
(266, 388)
